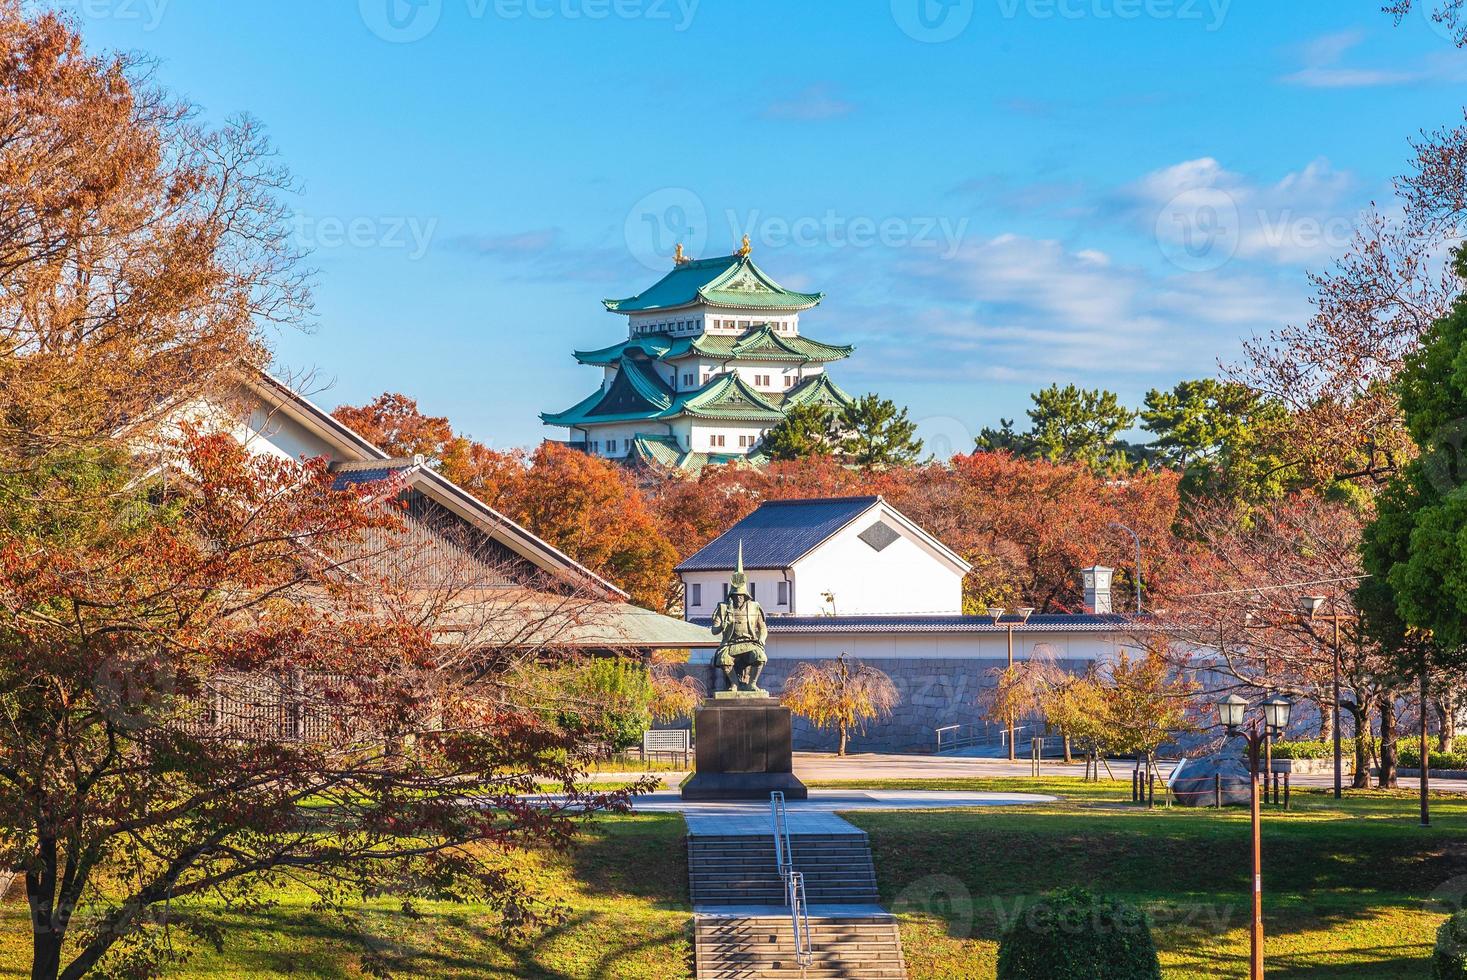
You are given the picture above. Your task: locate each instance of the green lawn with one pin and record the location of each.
(626, 888)
(1344, 888)
(1344, 885)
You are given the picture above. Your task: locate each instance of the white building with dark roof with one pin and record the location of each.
(839, 556)
(854, 576)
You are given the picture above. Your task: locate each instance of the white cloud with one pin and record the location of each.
(1018, 308)
(813, 104)
(1323, 66)
(1202, 215)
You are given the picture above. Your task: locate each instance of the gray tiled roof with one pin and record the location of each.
(347, 478)
(1052, 622)
(779, 533)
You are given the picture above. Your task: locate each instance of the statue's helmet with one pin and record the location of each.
(739, 583)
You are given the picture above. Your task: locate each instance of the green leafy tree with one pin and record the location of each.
(1416, 547)
(805, 431)
(875, 433)
(1006, 439)
(1068, 424)
(1222, 436)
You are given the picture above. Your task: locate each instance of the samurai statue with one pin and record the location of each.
(739, 621)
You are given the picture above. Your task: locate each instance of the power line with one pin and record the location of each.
(1277, 588)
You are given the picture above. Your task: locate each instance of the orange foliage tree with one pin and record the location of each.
(588, 507)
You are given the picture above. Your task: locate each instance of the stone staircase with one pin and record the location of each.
(762, 946)
(740, 869)
(742, 929)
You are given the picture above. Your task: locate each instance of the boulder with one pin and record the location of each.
(1194, 781)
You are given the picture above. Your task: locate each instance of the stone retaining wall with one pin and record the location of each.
(934, 692)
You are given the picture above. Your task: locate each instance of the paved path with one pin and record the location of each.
(811, 766)
(823, 804)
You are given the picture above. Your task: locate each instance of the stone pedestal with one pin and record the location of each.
(743, 750)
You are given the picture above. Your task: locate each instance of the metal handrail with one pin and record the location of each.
(967, 735)
(794, 881)
(780, 828)
(799, 919)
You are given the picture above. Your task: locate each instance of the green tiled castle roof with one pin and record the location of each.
(760, 343)
(663, 452)
(819, 390)
(639, 394)
(728, 281)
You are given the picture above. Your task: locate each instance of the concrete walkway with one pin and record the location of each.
(811, 766)
(825, 803)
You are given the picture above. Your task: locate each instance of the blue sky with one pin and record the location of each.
(994, 194)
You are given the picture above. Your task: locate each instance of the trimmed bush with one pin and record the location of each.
(1313, 749)
(1408, 754)
(1447, 959)
(1075, 935)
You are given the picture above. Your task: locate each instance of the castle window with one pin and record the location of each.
(789, 380)
(783, 599)
(695, 594)
(687, 380)
(717, 441)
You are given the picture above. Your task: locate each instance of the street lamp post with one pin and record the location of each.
(1022, 614)
(1311, 606)
(1275, 719)
(1136, 538)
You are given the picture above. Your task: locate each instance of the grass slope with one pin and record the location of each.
(1345, 885)
(626, 889)
(1345, 890)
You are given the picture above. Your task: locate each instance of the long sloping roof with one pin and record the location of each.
(779, 533)
(729, 280)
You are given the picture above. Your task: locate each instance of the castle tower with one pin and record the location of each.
(713, 359)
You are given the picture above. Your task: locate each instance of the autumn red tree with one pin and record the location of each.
(1028, 526)
(140, 253)
(218, 672)
(591, 509)
(161, 650)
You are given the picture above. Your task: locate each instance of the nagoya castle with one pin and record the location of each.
(712, 360)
